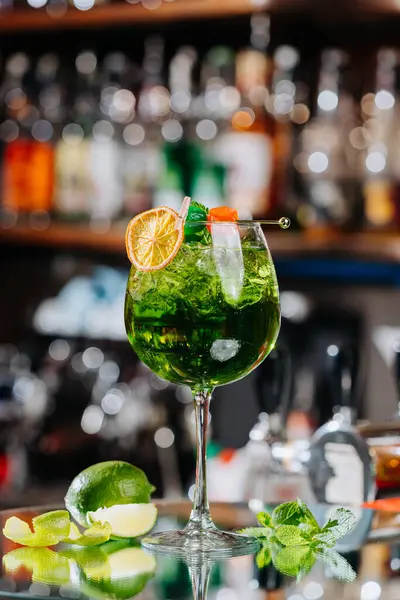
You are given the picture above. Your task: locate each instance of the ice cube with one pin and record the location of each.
(228, 258)
(223, 350)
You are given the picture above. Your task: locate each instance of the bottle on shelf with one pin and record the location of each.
(288, 103)
(105, 200)
(381, 166)
(72, 168)
(328, 160)
(138, 153)
(166, 131)
(212, 111)
(44, 132)
(248, 147)
(19, 115)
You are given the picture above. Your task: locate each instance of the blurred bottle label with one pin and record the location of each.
(73, 182)
(252, 70)
(136, 179)
(106, 198)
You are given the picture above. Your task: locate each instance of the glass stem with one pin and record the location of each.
(200, 577)
(200, 516)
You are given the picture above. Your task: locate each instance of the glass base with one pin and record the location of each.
(190, 542)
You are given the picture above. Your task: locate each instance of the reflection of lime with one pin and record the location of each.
(106, 484)
(45, 565)
(126, 520)
(114, 571)
(121, 575)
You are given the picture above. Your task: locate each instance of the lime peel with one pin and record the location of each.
(96, 534)
(53, 527)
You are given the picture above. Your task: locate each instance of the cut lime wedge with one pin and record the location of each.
(126, 520)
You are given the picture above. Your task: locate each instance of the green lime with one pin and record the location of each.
(106, 484)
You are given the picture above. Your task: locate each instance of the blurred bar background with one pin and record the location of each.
(108, 108)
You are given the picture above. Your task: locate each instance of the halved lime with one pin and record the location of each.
(126, 520)
(106, 484)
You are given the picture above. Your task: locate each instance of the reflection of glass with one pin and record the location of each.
(206, 319)
(118, 570)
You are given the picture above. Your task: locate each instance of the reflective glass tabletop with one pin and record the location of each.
(367, 568)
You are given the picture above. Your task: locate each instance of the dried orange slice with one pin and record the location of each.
(152, 239)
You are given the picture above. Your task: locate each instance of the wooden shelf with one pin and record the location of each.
(360, 246)
(124, 13)
(66, 236)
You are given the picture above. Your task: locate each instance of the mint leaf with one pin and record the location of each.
(308, 516)
(289, 560)
(295, 513)
(326, 538)
(198, 207)
(307, 564)
(258, 532)
(339, 566)
(265, 519)
(340, 522)
(290, 535)
(288, 513)
(263, 557)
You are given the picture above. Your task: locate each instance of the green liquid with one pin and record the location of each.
(199, 321)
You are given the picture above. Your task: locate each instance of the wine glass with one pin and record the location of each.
(208, 318)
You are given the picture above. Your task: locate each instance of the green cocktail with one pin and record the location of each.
(204, 311)
(188, 329)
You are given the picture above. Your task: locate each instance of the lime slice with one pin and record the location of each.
(45, 565)
(106, 484)
(126, 520)
(92, 561)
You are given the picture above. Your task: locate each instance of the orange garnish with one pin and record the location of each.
(222, 213)
(151, 239)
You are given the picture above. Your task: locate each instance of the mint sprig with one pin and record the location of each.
(293, 524)
(291, 537)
